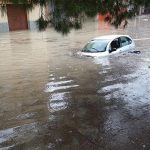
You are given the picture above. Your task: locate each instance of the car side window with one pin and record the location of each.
(115, 44)
(125, 41)
(129, 40)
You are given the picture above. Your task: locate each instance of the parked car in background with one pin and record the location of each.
(109, 44)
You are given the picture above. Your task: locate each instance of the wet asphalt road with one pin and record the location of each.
(51, 98)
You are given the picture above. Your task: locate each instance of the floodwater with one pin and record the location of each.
(51, 98)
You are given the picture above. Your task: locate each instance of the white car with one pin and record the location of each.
(109, 44)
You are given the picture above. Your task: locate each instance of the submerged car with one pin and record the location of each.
(109, 44)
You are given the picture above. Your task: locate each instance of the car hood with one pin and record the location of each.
(93, 54)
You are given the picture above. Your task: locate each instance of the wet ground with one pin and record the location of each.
(50, 98)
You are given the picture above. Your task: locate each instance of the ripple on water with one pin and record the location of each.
(26, 116)
(8, 137)
(135, 92)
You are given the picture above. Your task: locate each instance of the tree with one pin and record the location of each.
(68, 14)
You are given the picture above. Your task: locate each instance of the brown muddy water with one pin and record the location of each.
(50, 98)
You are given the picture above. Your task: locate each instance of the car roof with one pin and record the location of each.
(109, 37)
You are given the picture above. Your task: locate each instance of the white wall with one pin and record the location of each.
(3, 22)
(34, 14)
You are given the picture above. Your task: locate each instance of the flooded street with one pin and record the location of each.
(51, 98)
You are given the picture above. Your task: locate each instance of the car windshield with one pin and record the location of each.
(96, 46)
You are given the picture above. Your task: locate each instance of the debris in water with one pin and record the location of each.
(136, 52)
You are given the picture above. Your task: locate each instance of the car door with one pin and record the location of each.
(125, 43)
(114, 46)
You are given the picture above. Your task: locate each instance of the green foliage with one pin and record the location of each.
(41, 23)
(68, 14)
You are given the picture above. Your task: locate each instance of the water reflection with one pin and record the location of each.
(132, 93)
(58, 101)
(59, 85)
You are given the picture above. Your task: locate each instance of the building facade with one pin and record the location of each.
(16, 17)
